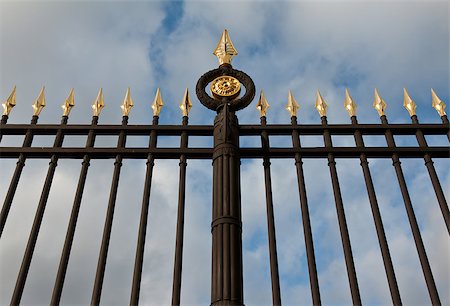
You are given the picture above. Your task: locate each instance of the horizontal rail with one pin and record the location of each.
(207, 153)
(207, 130)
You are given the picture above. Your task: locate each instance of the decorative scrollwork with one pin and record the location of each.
(235, 104)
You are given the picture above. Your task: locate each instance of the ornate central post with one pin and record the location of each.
(226, 225)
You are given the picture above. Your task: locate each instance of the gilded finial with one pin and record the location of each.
(69, 103)
(408, 103)
(10, 102)
(262, 105)
(186, 104)
(321, 106)
(225, 50)
(127, 103)
(99, 103)
(39, 104)
(157, 103)
(379, 104)
(437, 103)
(349, 104)
(292, 105)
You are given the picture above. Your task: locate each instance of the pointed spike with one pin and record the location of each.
(379, 104)
(437, 103)
(69, 103)
(127, 103)
(292, 105)
(320, 105)
(186, 104)
(157, 103)
(349, 104)
(10, 102)
(408, 103)
(99, 103)
(262, 105)
(225, 50)
(39, 104)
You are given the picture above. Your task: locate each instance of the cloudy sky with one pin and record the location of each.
(302, 46)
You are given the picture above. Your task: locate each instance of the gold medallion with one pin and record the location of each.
(225, 86)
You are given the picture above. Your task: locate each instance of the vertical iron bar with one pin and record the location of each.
(307, 232)
(29, 250)
(4, 120)
(444, 119)
(178, 261)
(432, 290)
(139, 258)
(65, 254)
(388, 266)
(356, 298)
(101, 265)
(433, 175)
(16, 177)
(276, 295)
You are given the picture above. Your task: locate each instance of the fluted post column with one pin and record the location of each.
(226, 226)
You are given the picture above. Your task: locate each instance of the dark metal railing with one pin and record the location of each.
(226, 225)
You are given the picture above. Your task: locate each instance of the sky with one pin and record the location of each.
(283, 45)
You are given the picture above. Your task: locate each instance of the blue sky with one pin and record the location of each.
(297, 45)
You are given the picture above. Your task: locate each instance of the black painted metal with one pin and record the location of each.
(65, 254)
(345, 237)
(178, 261)
(307, 232)
(387, 261)
(226, 226)
(101, 265)
(140, 247)
(29, 250)
(16, 176)
(432, 290)
(227, 272)
(433, 176)
(273, 257)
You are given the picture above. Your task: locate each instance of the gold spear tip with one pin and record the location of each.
(408, 103)
(437, 103)
(39, 104)
(225, 50)
(262, 105)
(10, 102)
(127, 103)
(99, 103)
(69, 103)
(349, 104)
(292, 105)
(157, 103)
(186, 104)
(379, 104)
(320, 105)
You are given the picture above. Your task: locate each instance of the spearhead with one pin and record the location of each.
(186, 104)
(437, 103)
(127, 103)
(408, 103)
(39, 104)
(292, 105)
(157, 103)
(262, 105)
(320, 105)
(10, 102)
(349, 104)
(99, 103)
(225, 50)
(69, 103)
(379, 104)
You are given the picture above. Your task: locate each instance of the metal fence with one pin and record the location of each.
(226, 224)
